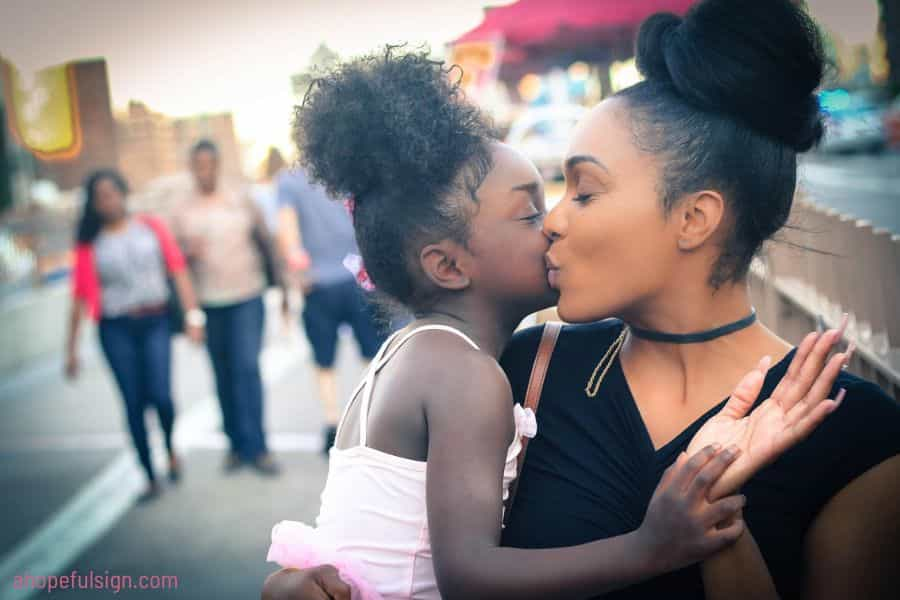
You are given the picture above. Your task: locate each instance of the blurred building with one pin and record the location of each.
(153, 145)
(147, 147)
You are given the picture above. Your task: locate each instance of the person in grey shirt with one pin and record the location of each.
(119, 277)
(315, 235)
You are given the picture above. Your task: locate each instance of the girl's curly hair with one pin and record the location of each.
(393, 130)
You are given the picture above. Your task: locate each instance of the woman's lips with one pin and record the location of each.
(552, 272)
(553, 278)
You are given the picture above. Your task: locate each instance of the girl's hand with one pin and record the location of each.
(73, 365)
(796, 407)
(681, 526)
(317, 583)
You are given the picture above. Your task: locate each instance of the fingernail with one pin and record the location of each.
(840, 397)
(849, 354)
(716, 446)
(732, 451)
(765, 363)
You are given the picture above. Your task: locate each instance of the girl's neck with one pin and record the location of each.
(486, 325)
(117, 225)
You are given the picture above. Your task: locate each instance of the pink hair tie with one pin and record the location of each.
(354, 262)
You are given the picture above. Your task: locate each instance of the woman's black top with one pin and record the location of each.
(591, 470)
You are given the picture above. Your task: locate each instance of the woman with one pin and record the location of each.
(229, 250)
(672, 187)
(122, 263)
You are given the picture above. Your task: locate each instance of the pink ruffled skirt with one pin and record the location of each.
(298, 545)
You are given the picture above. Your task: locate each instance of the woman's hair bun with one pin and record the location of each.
(651, 43)
(759, 61)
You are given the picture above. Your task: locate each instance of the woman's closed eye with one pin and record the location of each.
(537, 217)
(582, 198)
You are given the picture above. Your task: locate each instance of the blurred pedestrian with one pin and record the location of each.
(122, 262)
(231, 258)
(264, 191)
(315, 237)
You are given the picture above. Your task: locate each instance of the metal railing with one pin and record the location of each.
(824, 265)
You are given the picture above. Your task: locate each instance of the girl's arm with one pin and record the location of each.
(738, 572)
(72, 363)
(469, 429)
(195, 330)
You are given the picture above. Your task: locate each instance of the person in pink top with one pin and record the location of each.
(119, 278)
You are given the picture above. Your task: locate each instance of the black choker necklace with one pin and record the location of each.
(694, 338)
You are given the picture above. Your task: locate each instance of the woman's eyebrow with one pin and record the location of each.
(574, 161)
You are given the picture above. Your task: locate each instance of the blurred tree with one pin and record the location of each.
(321, 60)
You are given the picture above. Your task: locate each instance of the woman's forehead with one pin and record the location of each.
(600, 131)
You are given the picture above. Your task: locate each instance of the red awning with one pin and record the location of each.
(533, 22)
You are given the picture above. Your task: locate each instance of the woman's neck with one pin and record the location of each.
(691, 311)
(688, 310)
(208, 194)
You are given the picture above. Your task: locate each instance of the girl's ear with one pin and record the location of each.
(442, 264)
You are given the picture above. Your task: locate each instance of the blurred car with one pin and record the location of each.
(543, 134)
(854, 121)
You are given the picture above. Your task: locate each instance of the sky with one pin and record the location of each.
(184, 57)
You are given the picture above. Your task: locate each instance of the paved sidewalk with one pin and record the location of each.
(69, 477)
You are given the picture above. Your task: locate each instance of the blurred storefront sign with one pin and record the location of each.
(42, 110)
(560, 52)
(480, 63)
(623, 74)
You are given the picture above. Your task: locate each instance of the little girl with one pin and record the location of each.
(449, 224)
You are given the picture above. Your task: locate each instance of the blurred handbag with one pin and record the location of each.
(174, 310)
(267, 256)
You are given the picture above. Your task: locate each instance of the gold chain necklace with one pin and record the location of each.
(605, 363)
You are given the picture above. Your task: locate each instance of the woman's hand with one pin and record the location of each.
(796, 407)
(195, 333)
(681, 526)
(195, 248)
(317, 583)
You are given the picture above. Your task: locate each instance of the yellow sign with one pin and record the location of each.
(42, 110)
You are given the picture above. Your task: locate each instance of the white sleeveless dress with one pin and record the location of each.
(373, 523)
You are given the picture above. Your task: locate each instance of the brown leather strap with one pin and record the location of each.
(533, 396)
